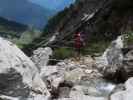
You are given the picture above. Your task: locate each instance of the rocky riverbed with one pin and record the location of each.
(90, 78)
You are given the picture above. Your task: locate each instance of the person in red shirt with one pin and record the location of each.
(79, 43)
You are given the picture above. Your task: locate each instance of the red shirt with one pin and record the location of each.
(78, 42)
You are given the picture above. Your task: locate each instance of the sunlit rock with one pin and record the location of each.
(41, 57)
(111, 62)
(52, 74)
(18, 74)
(125, 94)
(113, 54)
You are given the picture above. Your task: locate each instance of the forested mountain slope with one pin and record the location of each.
(11, 29)
(101, 21)
(25, 12)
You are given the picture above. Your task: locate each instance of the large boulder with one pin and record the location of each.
(116, 60)
(41, 57)
(52, 75)
(19, 76)
(112, 55)
(128, 63)
(125, 95)
(110, 63)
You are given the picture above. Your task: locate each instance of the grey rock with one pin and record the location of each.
(41, 57)
(18, 74)
(111, 64)
(112, 55)
(128, 63)
(125, 94)
(79, 95)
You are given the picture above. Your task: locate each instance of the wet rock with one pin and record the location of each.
(86, 90)
(125, 94)
(97, 87)
(129, 84)
(78, 94)
(117, 89)
(118, 96)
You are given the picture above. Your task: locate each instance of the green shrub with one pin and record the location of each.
(95, 47)
(20, 45)
(90, 49)
(62, 53)
(128, 40)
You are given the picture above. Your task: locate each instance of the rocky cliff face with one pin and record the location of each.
(100, 20)
(104, 19)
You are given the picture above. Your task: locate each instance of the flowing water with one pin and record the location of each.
(98, 87)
